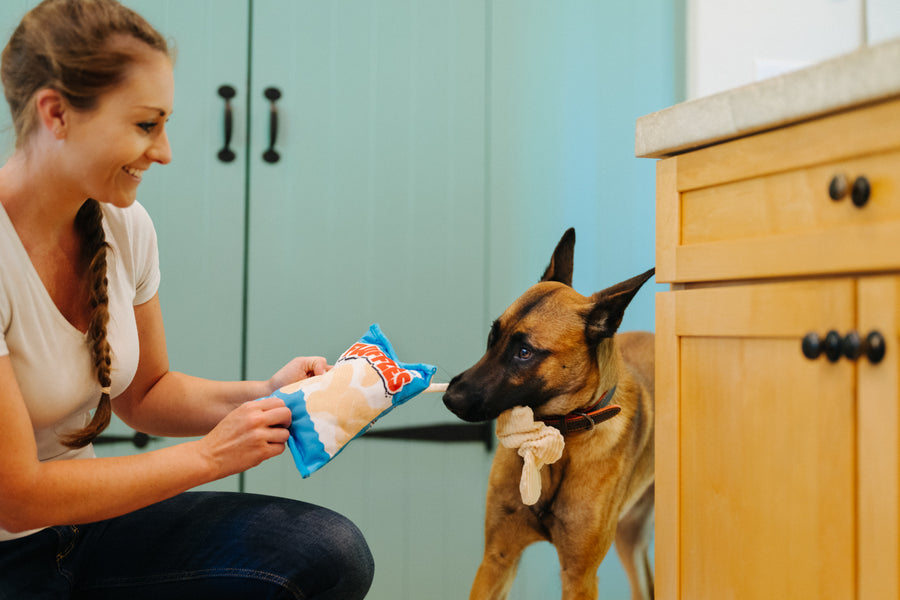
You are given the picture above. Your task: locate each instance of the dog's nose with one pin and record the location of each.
(452, 392)
(454, 397)
(463, 399)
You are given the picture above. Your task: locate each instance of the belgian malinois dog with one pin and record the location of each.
(558, 353)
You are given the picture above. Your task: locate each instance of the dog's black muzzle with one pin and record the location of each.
(465, 400)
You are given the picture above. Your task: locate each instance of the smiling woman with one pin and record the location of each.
(125, 133)
(83, 127)
(90, 88)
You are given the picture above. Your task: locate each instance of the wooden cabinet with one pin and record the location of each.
(777, 475)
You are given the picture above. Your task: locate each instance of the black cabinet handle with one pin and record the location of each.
(861, 191)
(140, 440)
(227, 93)
(270, 155)
(447, 432)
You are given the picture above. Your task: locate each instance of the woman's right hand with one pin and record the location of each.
(253, 432)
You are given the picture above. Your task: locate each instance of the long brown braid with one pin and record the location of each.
(89, 223)
(70, 46)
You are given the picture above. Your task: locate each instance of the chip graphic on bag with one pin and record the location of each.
(331, 410)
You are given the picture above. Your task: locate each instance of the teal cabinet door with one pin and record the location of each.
(375, 209)
(375, 213)
(197, 202)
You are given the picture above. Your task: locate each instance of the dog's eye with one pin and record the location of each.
(524, 353)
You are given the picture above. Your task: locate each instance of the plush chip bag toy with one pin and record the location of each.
(331, 410)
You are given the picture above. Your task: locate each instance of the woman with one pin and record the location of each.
(90, 87)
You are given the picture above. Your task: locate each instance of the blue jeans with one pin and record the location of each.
(197, 545)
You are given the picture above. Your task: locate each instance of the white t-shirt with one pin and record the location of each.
(50, 357)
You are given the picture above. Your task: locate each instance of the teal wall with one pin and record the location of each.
(568, 81)
(460, 137)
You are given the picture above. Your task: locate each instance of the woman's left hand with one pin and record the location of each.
(301, 367)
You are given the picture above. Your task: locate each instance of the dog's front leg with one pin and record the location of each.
(509, 527)
(634, 533)
(505, 540)
(580, 555)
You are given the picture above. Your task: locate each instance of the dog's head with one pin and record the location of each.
(548, 349)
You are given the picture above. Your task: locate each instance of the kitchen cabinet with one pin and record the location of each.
(777, 473)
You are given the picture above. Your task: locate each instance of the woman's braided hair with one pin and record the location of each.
(66, 45)
(89, 224)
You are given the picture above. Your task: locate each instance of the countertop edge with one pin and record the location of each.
(864, 76)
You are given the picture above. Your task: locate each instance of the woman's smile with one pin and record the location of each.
(134, 173)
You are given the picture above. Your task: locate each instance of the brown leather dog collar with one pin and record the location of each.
(581, 420)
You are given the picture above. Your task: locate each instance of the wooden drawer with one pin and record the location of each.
(759, 207)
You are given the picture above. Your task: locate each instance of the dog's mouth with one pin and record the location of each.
(477, 403)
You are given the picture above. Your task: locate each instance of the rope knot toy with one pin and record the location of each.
(537, 443)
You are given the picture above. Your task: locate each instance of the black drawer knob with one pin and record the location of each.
(838, 187)
(861, 191)
(875, 347)
(811, 345)
(852, 346)
(832, 346)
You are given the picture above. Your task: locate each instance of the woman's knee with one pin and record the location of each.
(349, 560)
(324, 553)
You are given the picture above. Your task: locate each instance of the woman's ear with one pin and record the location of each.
(52, 111)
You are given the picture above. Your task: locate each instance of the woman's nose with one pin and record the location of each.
(160, 151)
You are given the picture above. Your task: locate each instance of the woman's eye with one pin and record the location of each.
(147, 126)
(524, 353)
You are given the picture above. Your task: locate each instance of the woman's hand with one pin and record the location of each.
(253, 432)
(301, 367)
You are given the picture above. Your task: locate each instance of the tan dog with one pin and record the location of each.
(557, 352)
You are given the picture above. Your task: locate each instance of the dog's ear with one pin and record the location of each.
(562, 262)
(609, 306)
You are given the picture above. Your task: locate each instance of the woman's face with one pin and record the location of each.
(109, 148)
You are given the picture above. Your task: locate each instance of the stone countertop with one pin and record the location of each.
(866, 75)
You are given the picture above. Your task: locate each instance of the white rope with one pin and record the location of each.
(537, 443)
